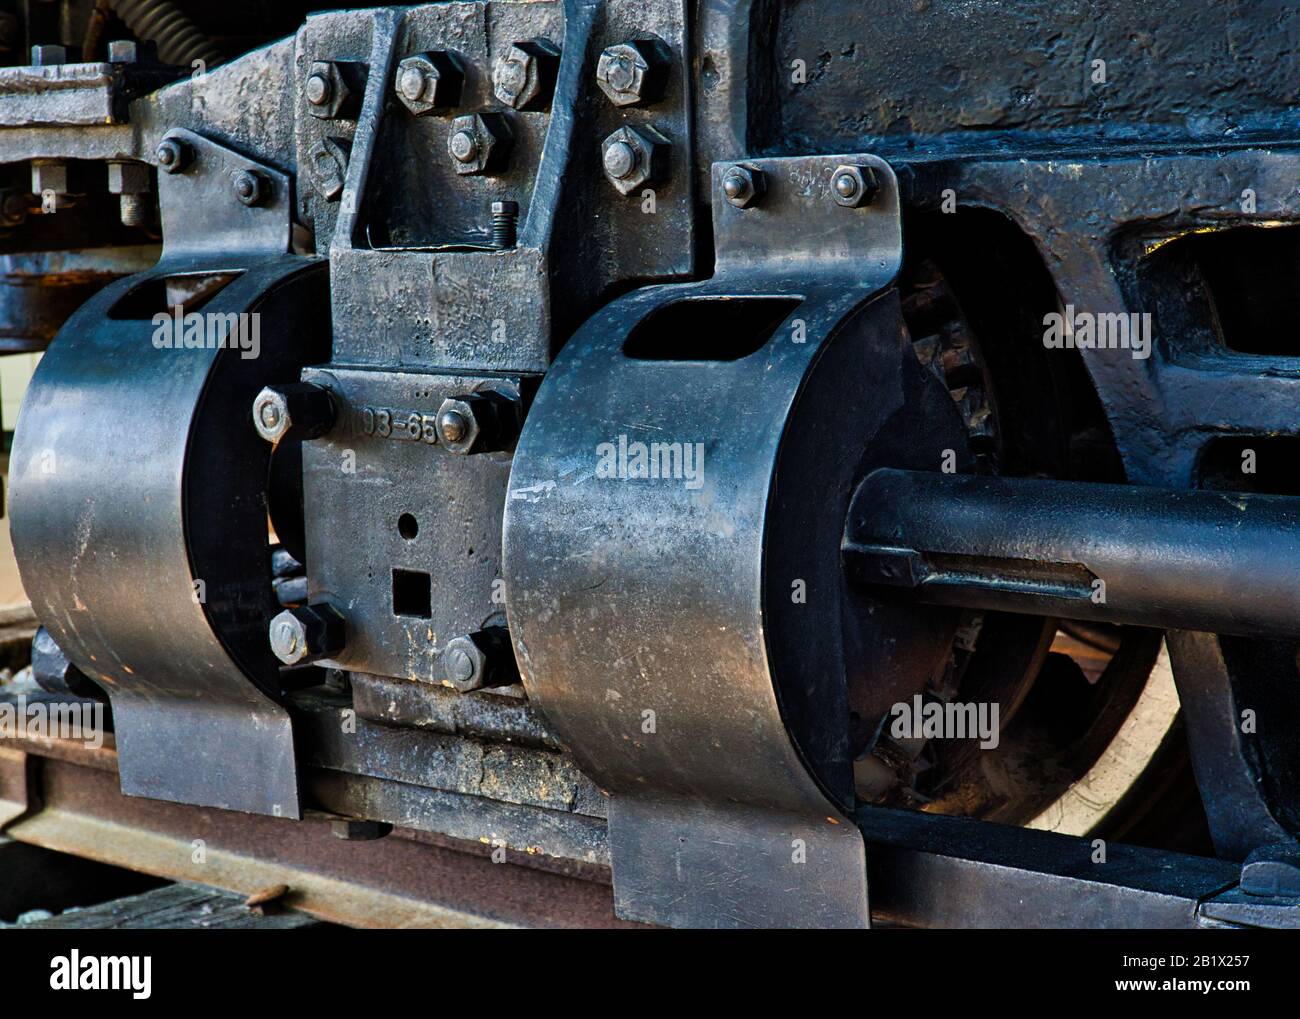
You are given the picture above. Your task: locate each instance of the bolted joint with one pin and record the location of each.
(524, 78)
(743, 186)
(307, 634)
(49, 176)
(430, 81)
(297, 410)
(123, 51)
(251, 188)
(480, 660)
(634, 73)
(632, 157)
(174, 155)
(479, 143)
(334, 89)
(127, 178)
(854, 186)
(485, 422)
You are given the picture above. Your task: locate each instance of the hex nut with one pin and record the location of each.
(127, 178)
(854, 186)
(301, 410)
(123, 51)
(634, 73)
(327, 163)
(632, 157)
(174, 155)
(49, 56)
(334, 89)
(480, 659)
(479, 143)
(483, 422)
(307, 634)
(251, 187)
(49, 176)
(524, 77)
(431, 81)
(743, 186)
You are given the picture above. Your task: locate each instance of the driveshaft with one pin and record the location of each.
(1178, 559)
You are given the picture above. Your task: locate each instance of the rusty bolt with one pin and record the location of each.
(307, 633)
(479, 142)
(632, 157)
(743, 186)
(334, 89)
(251, 187)
(484, 422)
(854, 186)
(634, 73)
(430, 81)
(524, 78)
(327, 162)
(174, 155)
(480, 659)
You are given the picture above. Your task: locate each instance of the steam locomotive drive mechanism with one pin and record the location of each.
(694, 463)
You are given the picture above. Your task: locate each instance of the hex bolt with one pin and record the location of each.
(298, 410)
(49, 56)
(430, 81)
(524, 78)
(54, 673)
(480, 660)
(483, 422)
(307, 634)
(480, 143)
(50, 181)
(251, 187)
(334, 89)
(634, 73)
(131, 181)
(174, 155)
(743, 186)
(854, 186)
(123, 51)
(505, 218)
(632, 157)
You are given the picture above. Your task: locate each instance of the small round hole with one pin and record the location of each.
(407, 527)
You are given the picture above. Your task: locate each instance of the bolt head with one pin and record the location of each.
(743, 186)
(174, 155)
(634, 73)
(50, 177)
(430, 81)
(49, 56)
(307, 633)
(458, 425)
(464, 664)
(479, 143)
(854, 186)
(303, 407)
(123, 51)
(251, 188)
(127, 178)
(649, 150)
(524, 77)
(328, 92)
